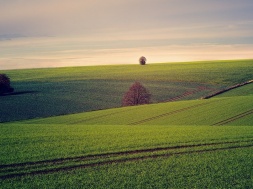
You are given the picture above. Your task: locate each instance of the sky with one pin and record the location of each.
(56, 33)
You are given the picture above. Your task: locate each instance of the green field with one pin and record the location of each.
(181, 144)
(61, 91)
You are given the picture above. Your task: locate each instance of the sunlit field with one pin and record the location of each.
(60, 91)
(184, 143)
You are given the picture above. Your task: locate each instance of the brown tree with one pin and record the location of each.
(142, 60)
(136, 95)
(5, 86)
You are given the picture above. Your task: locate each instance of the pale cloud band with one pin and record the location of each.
(58, 53)
(88, 32)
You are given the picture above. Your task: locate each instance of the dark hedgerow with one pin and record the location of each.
(136, 95)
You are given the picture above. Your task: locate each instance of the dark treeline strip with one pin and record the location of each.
(228, 89)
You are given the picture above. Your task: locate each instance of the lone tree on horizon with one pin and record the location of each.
(142, 60)
(136, 95)
(5, 84)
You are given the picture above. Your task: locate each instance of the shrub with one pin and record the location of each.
(5, 86)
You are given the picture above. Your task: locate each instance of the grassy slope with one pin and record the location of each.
(42, 142)
(221, 169)
(194, 112)
(231, 72)
(92, 132)
(217, 156)
(58, 91)
(221, 157)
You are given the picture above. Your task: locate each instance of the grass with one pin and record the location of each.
(226, 72)
(219, 169)
(60, 91)
(91, 133)
(22, 143)
(183, 144)
(191, 112)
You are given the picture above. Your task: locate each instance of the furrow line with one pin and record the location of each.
(187, 93)
(105, 155)
(109, 162)
(233, 118)
(97, 117)
(170, 113)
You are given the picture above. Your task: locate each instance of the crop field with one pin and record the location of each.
(144, 146)
(224, 168)
(60, 91)
(184, 143)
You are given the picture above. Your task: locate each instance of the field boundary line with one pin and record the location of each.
(109, 162)
(228, 89)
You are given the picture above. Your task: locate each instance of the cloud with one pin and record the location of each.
(172, 53)
(59, 17)
(96, 29)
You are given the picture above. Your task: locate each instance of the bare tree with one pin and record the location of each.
(136, 95)
(142, 60)
(5, 85)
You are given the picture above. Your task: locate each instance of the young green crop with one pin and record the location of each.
(218, 169)
(166, 145)
(28, 142)
(191, 112)
(225, 72)
(61, 91)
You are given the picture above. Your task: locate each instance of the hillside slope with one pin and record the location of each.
(209, 140)
(60, 91)
(216, 111)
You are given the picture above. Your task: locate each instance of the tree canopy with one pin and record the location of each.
(136, 95)
(5, 84)
(142, 60)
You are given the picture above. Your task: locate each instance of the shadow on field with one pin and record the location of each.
(19, 93)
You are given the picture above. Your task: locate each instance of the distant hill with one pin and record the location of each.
(61, 91)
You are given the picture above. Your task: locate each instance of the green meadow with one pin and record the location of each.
(61, 91)
(185, 143)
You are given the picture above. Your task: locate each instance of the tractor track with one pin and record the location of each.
(189, 93)
(234, 118)
(103, 155)
(25, 166)
(98, 117)
(172, 112)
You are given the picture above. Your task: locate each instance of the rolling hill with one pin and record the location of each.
(203, 143)
(61, 91)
